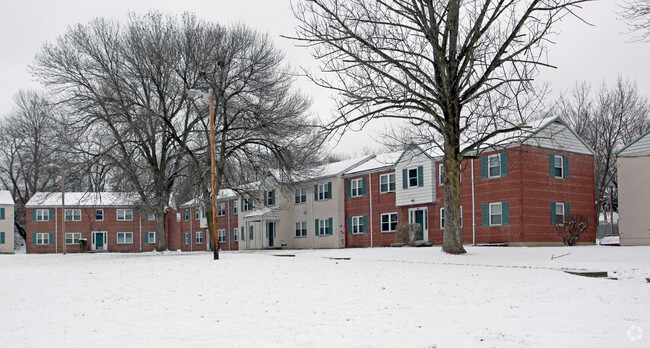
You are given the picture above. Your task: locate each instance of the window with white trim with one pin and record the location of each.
(387, 183)
(197, 213)
(99, 214)
(150, 217)
(233, 207)
(357, 225)
(222, 235)
(124, 237)
(270, 197)
(234, 236)
(442, 217)
(187, 238)
(559, 166)
(356, 187)
(441, 168)
(300, 195)
(323, 227)
(247, 205)
(43, 215)
(186, 214)
(559, 213)
(301, 229)
(496, 214)
(42, 238)
(151, 237)
(72, 238)
(388, 222)
(73, 215)
(412, 177)
(221, 209)
(124, 214)
(323, 191)
(199, 237)
(494, 166)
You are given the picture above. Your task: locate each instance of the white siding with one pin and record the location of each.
(557, 136)
(642, 144)
(415, 195)
(633, 200)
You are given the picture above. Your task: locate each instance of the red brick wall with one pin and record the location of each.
(88, 224)
(193, 225)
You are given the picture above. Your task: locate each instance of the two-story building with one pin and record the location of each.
(6, 223)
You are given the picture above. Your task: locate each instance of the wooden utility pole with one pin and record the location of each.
(213, 171)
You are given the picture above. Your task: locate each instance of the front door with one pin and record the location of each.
(270, 230)
(99, 241)
(418, 216)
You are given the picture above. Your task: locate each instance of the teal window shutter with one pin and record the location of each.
(33, 238)
(484, 167)
(33, 214)
(420, 176)
(567, 209)
(266, 196)
(365, 224)
(504, 163)
(505, 213)
(329, 190)
(2, 237)
(251, 233)
(485, 212)
(2, 214)
(405, 179)
(146, 237)
(243, 233)
(316, 225)
(349, 224)
(51, 215)
(273, 200)
(349, 188)
(51, 238)
(552, 164)
(553, 217)
(241, 203)
(363, 186)
(566, 167)
(330, 228)
(316, 192)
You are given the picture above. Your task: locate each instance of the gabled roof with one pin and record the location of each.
(84, 199)
(378, 162)
(223, 194)
(542, 124)
(5, 198)
(412, 147)
(641, 144)
(338, 168)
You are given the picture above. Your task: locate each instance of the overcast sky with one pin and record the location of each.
(593, 53)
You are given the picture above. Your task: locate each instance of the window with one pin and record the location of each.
(389, 222)
(124, 214)
(222, 235)
(126, 237)
(358, 224)
(494, 163)
(559, 166)
(186, 214)
(323, 191)
(72, 238)
(233, 207)
(356, 187)
(246, 205)
(99, 214)
(442, 217)
(496, 216)
(269, 197)
(73, 215)
(324, 227)
(413, 177)
(150, 237)
(441, 168)
(301, 195)
(301, 229)
(197, 213)
(559, 212)
(43, 215)
(187, 238)
(199, 237)
(386, 183)
(150, 217)
(251, 232)
(233, 234)
(42, 238)
(221, 209)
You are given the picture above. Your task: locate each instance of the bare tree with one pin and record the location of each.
(455, 70)
(607, 120)
(571, 228)
(636, 13)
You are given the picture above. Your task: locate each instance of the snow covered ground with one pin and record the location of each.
(383, 297)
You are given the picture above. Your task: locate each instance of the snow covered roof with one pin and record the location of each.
(340, 167)
(270, 213)
(5, 198)
(384, 160)
(223, 194)
(84, 199)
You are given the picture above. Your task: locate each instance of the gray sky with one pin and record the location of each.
(593, 53)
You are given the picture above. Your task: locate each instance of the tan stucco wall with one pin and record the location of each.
(7, 226)
(634, 199)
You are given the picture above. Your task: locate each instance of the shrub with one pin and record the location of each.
(571, 229)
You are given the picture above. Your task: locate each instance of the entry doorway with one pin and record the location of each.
(99, 240)
(270, 233)
(419, 216)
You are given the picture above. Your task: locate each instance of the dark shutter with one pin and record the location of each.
(553, 217)
(505, 213)
(566, 167)
(420, 176)
(567, 209)
(485, 212)
(363, 186)
(365, 224)
(504, 164)
(330, 228)
(349, 224)
(552, 164)
(329, 190)
(484, 167)
(405, 182)
(316, 192)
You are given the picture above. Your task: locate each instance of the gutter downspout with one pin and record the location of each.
(229, 232)
(56, 230)
(473, 208)
(140, 231)
(191, 226)
(370, 196)
(313, 239)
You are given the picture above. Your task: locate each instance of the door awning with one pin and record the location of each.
(266, 213)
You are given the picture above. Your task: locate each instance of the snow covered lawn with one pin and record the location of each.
(383, 297)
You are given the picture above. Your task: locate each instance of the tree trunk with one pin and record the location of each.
(452, 241)
(161, 232)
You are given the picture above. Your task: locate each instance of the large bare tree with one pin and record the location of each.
(457, 70)
(636, 13)
(607, 119)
